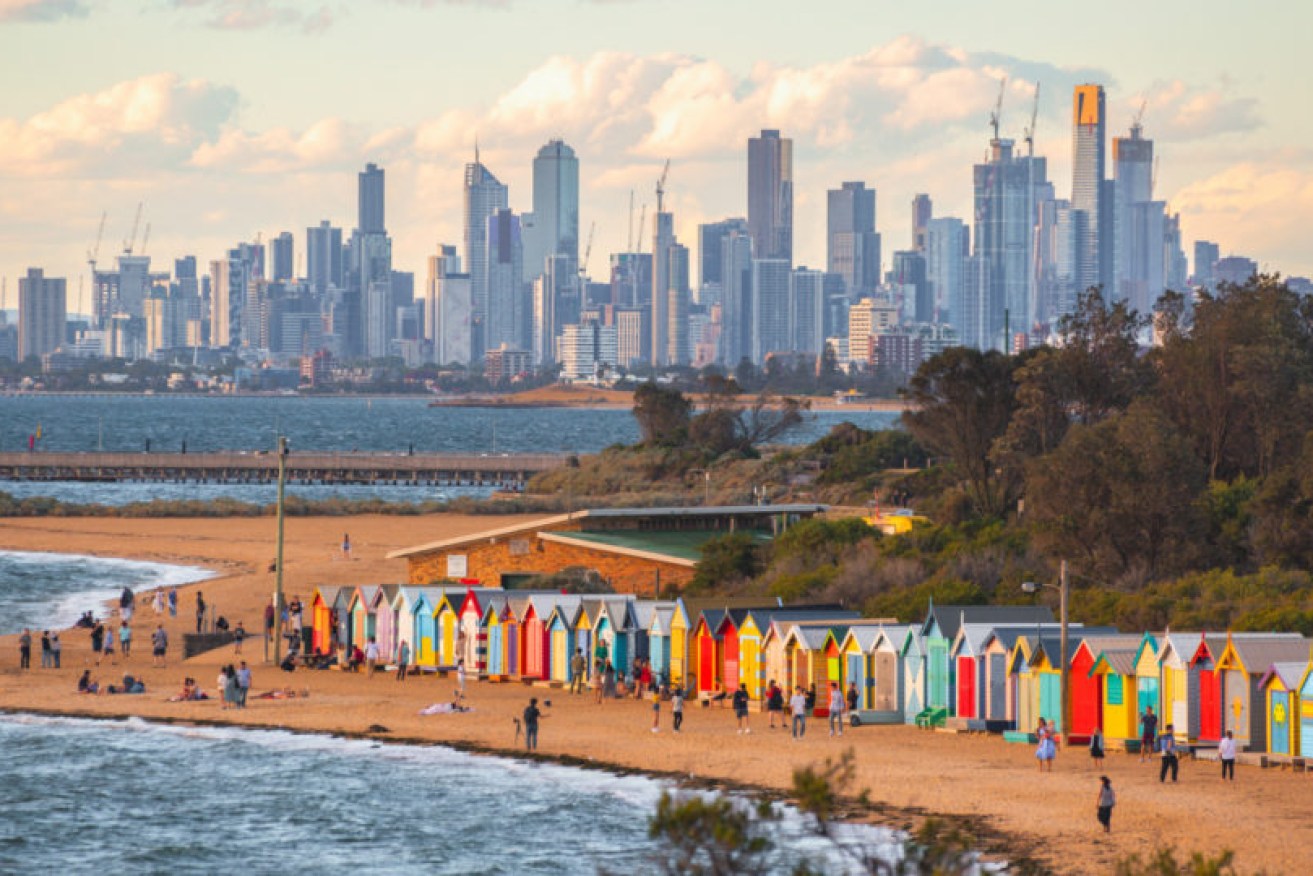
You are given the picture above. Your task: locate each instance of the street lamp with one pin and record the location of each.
(706, 480)
(278, 562)
(1064, 691)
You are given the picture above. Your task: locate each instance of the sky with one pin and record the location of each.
(232, 118)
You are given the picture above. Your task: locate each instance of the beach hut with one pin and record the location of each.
(752, 663)
(342, 615)
(424, 606)
(561, 638)
(913, 661)
(516, 606)
(1025, 681)
(887, 671)
(403, 609)
(1243, 663)
(446, 617)
(1086, 687)
(323, 631)
(616, 621)
(641, 612)
(533, 637)
(778, 668)
(362, 614)
(708, 648)
(584, 619)
(658, 638)
(1205, 718)
(1174, 653)
(1306, 711)
(491, 632)
(939, 634)
(1280, 688)
(471, 646)
(858, 655)
(999, 700)
(385, 621)
(1147, 683)
(1120, 705)
(813, 651)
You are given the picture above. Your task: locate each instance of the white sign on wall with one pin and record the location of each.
(457, 566)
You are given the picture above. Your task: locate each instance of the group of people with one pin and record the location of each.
(51, 650)
(130, 685)
(234, 684)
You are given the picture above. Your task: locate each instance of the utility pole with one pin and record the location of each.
(1065, 676)
(278, 561)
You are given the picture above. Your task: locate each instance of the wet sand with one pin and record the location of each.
(1266, 816)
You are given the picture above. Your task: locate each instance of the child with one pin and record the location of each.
(677, 707)
(1107, 800)
(1096, 747)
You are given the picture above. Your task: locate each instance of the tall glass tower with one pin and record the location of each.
(556, 199)
(770, 195)
(1088, 190)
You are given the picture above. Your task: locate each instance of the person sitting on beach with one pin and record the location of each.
(289, 662)
(719, 695)
(86, 685)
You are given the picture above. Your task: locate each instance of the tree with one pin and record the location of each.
(727, 425)
(1120, 496)
(962, 401)
(732, 557)
(662, 415)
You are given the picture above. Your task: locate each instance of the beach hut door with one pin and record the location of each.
(998, 691)
(1147, 696)
(885, 686)
(1280, 722)
(1210, 706)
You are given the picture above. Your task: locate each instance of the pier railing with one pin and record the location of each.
(225, 466)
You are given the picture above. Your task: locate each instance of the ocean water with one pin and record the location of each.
(127, 492)
(129, 796)
(51, 591)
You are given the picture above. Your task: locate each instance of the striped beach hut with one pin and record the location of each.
(342, 612)
(385, 621)
(323, 631)
(403, 607)
(1243, 663)
(492, 633)
(1280, 688)
(424, 608)
(1306, 711)
(361, 610)
(858, 650)
(658, 638)
(887, 670)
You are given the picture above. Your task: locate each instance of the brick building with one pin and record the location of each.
(645, 551)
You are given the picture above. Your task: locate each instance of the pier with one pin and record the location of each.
(261, 467)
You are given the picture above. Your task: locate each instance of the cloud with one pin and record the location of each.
(42, 10)
(259, 14)
(151, 122)
(1178, 111)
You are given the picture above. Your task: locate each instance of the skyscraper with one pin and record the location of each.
(1206, 254)
(770, 195)
(807, 311)
(449, 306)
(770, 308)
(1007, 189)
(678, 351)
(556, 199)
(711, 243)
(852, 245)
(736, 298)
(922, 212)
(663, 238)
(283, 255)
(1137, 222)
(1089, 192)
(507, 318)
(42, 312)
(948, 245)
(484, 196)
(909, 272)
(323, 251)
(370, 203)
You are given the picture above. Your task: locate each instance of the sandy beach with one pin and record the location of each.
(1266, 816)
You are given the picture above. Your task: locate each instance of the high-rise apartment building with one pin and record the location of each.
(910, 276)
(679, 350)
(770, 195)
(1007, 190)
(484, 196)
(711, 245)
(736, 320)
(507, 319)
(807, 311)
(448, 309)
(42, 313)
(852, 244)
(922, 212)
(229, 277)
(770, 308)
(948, 245)
(1138, 268)
(1089, 189)
(663, 238)
(1206, 254)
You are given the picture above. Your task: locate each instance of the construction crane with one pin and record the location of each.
(136, 224)
(629, 247)
(661, 188)
(642, 222)
(94, 252)
(633, 257)
(588, 251)
(1030, 131)
(1137, 122)
(996, 116)
(145, 238)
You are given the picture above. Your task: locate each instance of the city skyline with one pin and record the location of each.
(218, 155)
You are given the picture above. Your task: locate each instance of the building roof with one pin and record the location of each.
(950, 617)
(1291, 673)
(1119, 660)
(328, 592)
(608, 514)
(864, 635)
(1258, 652)
(680, 548)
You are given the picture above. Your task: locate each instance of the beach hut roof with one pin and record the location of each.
(1119, 660)
(813, 637)
(1290, 672)
(327, 593)
(662, 616)
(1097, 643)
(864, 635)
(894, 634)
(1049, 642)
(366, 593)
(1259, 651)
(972, 637)
(949, 617)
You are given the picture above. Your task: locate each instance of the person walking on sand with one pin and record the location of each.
(740, 703)
(158, 602)
(125, 640)
(173, 602)
(578, 671)
(1226, 754)
(45, 649)
(1107, 800)
(775, 703)
(1096, 746)
(1047, 749)
(531, 716)
(346, 545)
(656, 711)
(403, 660)
(243, 684)
(107, 648)
(677, 708)
(239, 636)
(460, 678)
(1167, 751)
(97, 640)
(798, 708)
(371, 657)
(837, 705)
(200, 610)
(56, 650)
(159, 641)
(1148, 733)
(25, 649)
